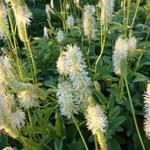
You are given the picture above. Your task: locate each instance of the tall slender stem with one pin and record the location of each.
(135, 14)
(128, 12)
(133, 113)
(85, 145)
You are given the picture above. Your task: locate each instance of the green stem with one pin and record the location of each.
(29, 61)
(95, 141)
(128, 12)
(32, 60)
(102, 47)
(135, 14)
(30, 118)
(133, 113)
(88, 54)
(15, 47)
(85, 145)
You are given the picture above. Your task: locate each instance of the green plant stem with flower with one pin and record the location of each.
(133, 113)
(81, 135)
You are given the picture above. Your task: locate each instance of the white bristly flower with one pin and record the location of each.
(46, 32)
(66, 99)
(132, 44)
(70, 22)
(61, 64)
(147, 111)
(96, 119)
(60, 36)
(107, 9)
(27, 99)
(4, 28)
(8, 148)
(18, 119)
(76, 68)
(89, 20)
(120, 53)
(22, 14)
(5, 70)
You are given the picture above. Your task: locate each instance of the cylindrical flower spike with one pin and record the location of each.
(89, 20)
(120, 53)
(147, 111)
(66, 100)
(107, 9)
(76, 68)
(4, 28)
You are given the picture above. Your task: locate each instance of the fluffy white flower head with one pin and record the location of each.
(147, 111)
(89, 20)
(70, 22)
(120, 53)
(106, 11)
(18, 119)
(60, 36)
(66, 99)
(27, 99)
(76, 68)
(22, 14)
(96, 119)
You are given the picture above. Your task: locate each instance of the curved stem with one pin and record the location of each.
(133, 113)
(102, 48)
(85, 145)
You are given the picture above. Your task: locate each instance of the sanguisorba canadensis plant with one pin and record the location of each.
(85, 75)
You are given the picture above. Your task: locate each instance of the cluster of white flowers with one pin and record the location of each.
(60, 36)
(122, 48)
(76, 68)
(96, 119)
(70, 22)
(107, 9)
(66, 99)
(120, 53)
(72, 65)
(9, 119)
(89, 21)
(147, 111)
(4, 28)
